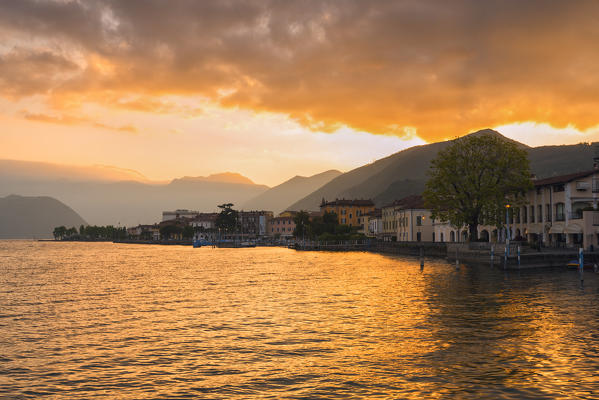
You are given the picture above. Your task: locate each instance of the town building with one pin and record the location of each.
(204, 221)
(144, 232)
(204, 226)
(560, 211)
(349, 212)
(413, 220)
(283, 225)
(389, 221)
(169, 215)
(254, 223)
(372, 223)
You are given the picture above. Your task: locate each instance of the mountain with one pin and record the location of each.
(226, 177)
(278, 197)
(128, 202)
(34, 217)
(404, 173)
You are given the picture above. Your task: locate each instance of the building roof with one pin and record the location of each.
(348, 202)
(411, 202)
(280, 218)
(377, 213)
(564, 178)
(205, 217)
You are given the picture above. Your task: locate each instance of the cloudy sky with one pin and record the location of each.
(272, 89)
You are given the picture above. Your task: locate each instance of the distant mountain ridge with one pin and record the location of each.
(277, 198)
(225, 177)
(110, 195)
(34, 217)
(404, 173)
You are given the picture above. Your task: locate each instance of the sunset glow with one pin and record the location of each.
(278, 89)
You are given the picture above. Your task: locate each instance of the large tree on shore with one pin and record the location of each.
(228, 218)
(473, 180)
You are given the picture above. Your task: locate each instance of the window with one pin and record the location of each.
(418, 236)
(559, 212)
(433, 236)
(539, 190)
(540, 214)
(419, 221)
(349, 215)
(558, 188)
(525, 215)
(548, 212)
(532, 213)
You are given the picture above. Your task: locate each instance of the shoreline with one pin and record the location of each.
(460, 252)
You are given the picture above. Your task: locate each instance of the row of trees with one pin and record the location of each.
(168, 231)
(90, 232)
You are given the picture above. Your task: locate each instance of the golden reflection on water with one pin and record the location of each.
(131, 321)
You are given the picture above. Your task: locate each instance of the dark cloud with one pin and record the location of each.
(381, 66)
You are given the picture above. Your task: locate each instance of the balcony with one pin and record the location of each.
(582, 186)
(575, 215)
(560, 217)
(595, 218)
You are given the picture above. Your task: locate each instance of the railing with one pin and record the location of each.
(560, 217)
(575, 215)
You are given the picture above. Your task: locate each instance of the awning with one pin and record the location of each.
(556, 229)
(573, 228)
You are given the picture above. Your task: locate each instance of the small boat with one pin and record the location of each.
(201, 242)
(247, 244)
(575, 264)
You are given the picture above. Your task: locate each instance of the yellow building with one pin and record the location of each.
(349, 212)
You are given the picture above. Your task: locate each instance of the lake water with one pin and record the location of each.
(137, 321)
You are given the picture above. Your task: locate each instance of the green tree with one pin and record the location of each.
(473, 179)
(302, 224)
(188, 231)
(59, 232)
(228, 217)
(169, 230)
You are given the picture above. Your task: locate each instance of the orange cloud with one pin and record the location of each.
(437, 68)
(73, 120)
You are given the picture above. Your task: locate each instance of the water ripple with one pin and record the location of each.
(82, 320)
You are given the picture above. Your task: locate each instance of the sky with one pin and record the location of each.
(273, 89)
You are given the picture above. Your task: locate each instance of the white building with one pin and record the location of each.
(372, 223)
(414, 222)
(558, 211)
